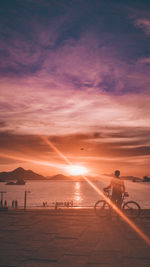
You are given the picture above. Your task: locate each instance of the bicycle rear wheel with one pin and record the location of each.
(131, 209)
(102, 208)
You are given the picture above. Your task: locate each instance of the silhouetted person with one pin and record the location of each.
(118, 188)
(13, 203)
(5, 204)
(1, 203)
(44, 204)
(16, 204)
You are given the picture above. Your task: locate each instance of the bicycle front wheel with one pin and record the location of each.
(131, 209)
(102, 208)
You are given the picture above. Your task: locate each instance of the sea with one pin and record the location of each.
(45, 194)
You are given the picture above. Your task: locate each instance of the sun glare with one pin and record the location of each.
(76, 170)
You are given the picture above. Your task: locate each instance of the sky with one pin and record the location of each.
(77, 72)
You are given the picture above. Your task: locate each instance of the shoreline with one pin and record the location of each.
(75, 210)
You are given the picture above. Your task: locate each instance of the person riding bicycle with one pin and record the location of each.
(118, 188)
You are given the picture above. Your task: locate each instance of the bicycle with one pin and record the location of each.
(130, 208)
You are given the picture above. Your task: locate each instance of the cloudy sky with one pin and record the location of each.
(77, 72)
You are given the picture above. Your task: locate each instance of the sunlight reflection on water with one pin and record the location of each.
(77, 193)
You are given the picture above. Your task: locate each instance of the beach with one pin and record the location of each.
(71, 237)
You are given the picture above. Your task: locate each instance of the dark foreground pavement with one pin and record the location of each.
(70, 238)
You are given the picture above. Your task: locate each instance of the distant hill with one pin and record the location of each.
(61, 177)
(21, 173)
(132, 178)
(129, 178)
(58, 177)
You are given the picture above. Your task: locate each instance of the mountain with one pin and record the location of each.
(129, 178)
(58, 177)
(132, 178)
(21, 173)
(61, 177)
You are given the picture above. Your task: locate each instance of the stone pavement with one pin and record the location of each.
(70, 238)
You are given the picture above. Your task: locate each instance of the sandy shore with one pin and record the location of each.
(72, 237)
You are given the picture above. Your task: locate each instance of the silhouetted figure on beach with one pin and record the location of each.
(13, 203)
(5, 204)
(44, 204)
(118, 188)
(16, 204)
(1, 203)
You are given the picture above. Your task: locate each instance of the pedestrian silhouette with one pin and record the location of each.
(16, 204)
(5, 204)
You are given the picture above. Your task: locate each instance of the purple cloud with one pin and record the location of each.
(75, 70)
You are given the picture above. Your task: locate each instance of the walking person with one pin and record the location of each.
(16, 204)
(5, 204)
(13, 203)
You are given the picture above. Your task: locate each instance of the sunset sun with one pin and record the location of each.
(76, 170)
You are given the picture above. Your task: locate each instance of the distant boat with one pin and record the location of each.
(19, 182)
(146, 179)
(10, 183)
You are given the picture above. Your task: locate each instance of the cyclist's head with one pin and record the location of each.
(117, 173)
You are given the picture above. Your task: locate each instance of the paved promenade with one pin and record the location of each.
(70, 238)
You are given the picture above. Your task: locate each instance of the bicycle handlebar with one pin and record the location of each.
(107, 192)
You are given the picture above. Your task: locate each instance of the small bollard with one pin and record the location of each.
(25, 199)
